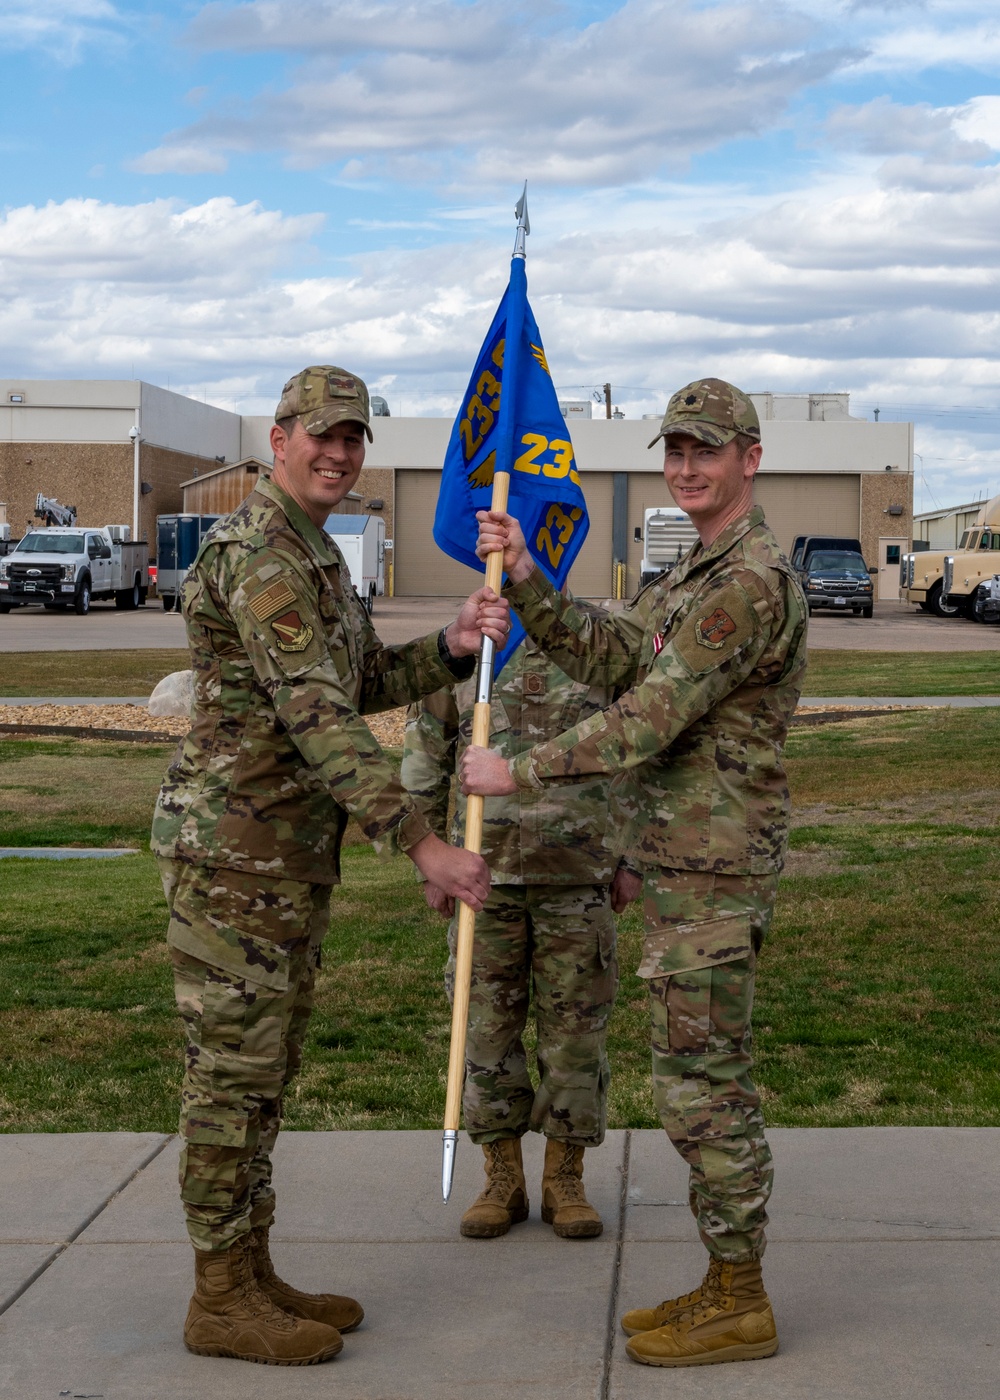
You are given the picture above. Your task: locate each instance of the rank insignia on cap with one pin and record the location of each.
(291, 632)
(712, 631)
(270, 600)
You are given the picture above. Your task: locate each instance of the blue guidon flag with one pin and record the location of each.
(510, 421)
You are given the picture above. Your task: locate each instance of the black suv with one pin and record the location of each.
(837, 579)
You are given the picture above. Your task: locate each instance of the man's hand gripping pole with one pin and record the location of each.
(473, 842)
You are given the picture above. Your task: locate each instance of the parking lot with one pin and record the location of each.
(895, 627)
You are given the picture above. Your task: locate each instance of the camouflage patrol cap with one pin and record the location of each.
(323, 395)
(711, 411)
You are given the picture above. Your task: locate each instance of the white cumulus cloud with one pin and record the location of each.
(454, 92)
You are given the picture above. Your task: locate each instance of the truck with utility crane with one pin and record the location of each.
(64, 565)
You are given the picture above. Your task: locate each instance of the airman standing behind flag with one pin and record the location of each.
(707, 667)
(248, 828)
(547, 933)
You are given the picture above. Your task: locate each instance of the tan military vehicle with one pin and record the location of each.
(944, 582)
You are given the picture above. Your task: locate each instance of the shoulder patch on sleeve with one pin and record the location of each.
(715, 630)
(268, 601)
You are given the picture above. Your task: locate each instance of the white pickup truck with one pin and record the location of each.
(68, 566)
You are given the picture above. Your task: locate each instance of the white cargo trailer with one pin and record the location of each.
(361, 540)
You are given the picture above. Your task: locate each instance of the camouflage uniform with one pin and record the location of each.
(547, 927)
(249, 821)
(707, 666)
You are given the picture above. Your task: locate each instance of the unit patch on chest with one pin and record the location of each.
(291, 633)
(714, 629)
(271, 600)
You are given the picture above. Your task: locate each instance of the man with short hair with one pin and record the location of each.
(707, 665)
(248, 828)
(546, 936)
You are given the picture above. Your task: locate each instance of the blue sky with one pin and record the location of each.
(798, 197)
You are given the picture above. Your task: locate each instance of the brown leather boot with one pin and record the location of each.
(646, 1319)
(731, 1322)
(335, 1311)
(230, 1315)
(504, 1202)
(564, 1202)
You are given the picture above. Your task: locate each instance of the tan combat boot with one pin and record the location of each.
(731, 1322)
(230, 1315)
(645, 1319)
(564, 1202)
(330, 1308)
(504, 1202)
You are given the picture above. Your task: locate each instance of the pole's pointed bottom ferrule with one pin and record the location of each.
(449, 1144)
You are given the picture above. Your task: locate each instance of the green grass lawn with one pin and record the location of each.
(830, 672)
(904, 672)
(89, 672)
(878, 990)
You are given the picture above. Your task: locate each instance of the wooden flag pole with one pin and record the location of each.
(474, 807)
(473, 842)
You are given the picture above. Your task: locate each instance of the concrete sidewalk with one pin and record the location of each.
(885, 1249)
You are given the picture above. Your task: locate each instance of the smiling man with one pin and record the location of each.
(706, 664)
(248, 828)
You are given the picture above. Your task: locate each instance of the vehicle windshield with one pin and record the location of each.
(850, 563)
(44, 543)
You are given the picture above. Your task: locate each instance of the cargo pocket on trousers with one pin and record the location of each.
(211, 1156)
(703, 943)
(245, 956)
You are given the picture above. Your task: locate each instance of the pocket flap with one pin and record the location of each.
(703, 944)
(243, 955)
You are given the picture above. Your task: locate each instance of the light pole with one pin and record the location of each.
(133, 433)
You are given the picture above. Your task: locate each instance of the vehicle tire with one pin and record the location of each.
(143, 595)
(5, 608)
(81, 603)
(924, 607)
(169, 602)
(938, 606)
(127, 598)
(867, 612)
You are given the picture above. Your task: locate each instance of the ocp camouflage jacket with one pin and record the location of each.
(285, 663)
(539, 836)
(707, 667)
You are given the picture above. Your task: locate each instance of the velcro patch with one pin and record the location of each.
(713, 630)
(291, 632)
(271, 600)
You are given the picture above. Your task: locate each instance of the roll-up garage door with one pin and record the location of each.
(803, 503)
(421, 570)
(794, 503)
(590, 576)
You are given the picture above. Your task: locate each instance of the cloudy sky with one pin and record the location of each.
(796, 197)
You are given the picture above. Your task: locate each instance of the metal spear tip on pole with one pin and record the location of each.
(449, 1145)
(523, 226)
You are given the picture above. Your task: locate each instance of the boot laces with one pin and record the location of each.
(256, 1300)
(501, 1176)
(570, 1184)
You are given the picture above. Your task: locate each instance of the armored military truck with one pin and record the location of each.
(922, 576)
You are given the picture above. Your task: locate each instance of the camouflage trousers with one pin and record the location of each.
(702, 936)
(245, 950)
(555, 945)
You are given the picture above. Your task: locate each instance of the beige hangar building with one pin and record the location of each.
(126, 451)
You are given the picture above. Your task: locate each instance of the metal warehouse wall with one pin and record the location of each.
(421, 570)
(807, 504)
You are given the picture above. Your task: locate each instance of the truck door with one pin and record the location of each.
(890, 551)
(99, 555)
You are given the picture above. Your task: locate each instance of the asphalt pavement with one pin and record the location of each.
(894, 627)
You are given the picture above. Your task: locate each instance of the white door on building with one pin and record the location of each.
(890, 550)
